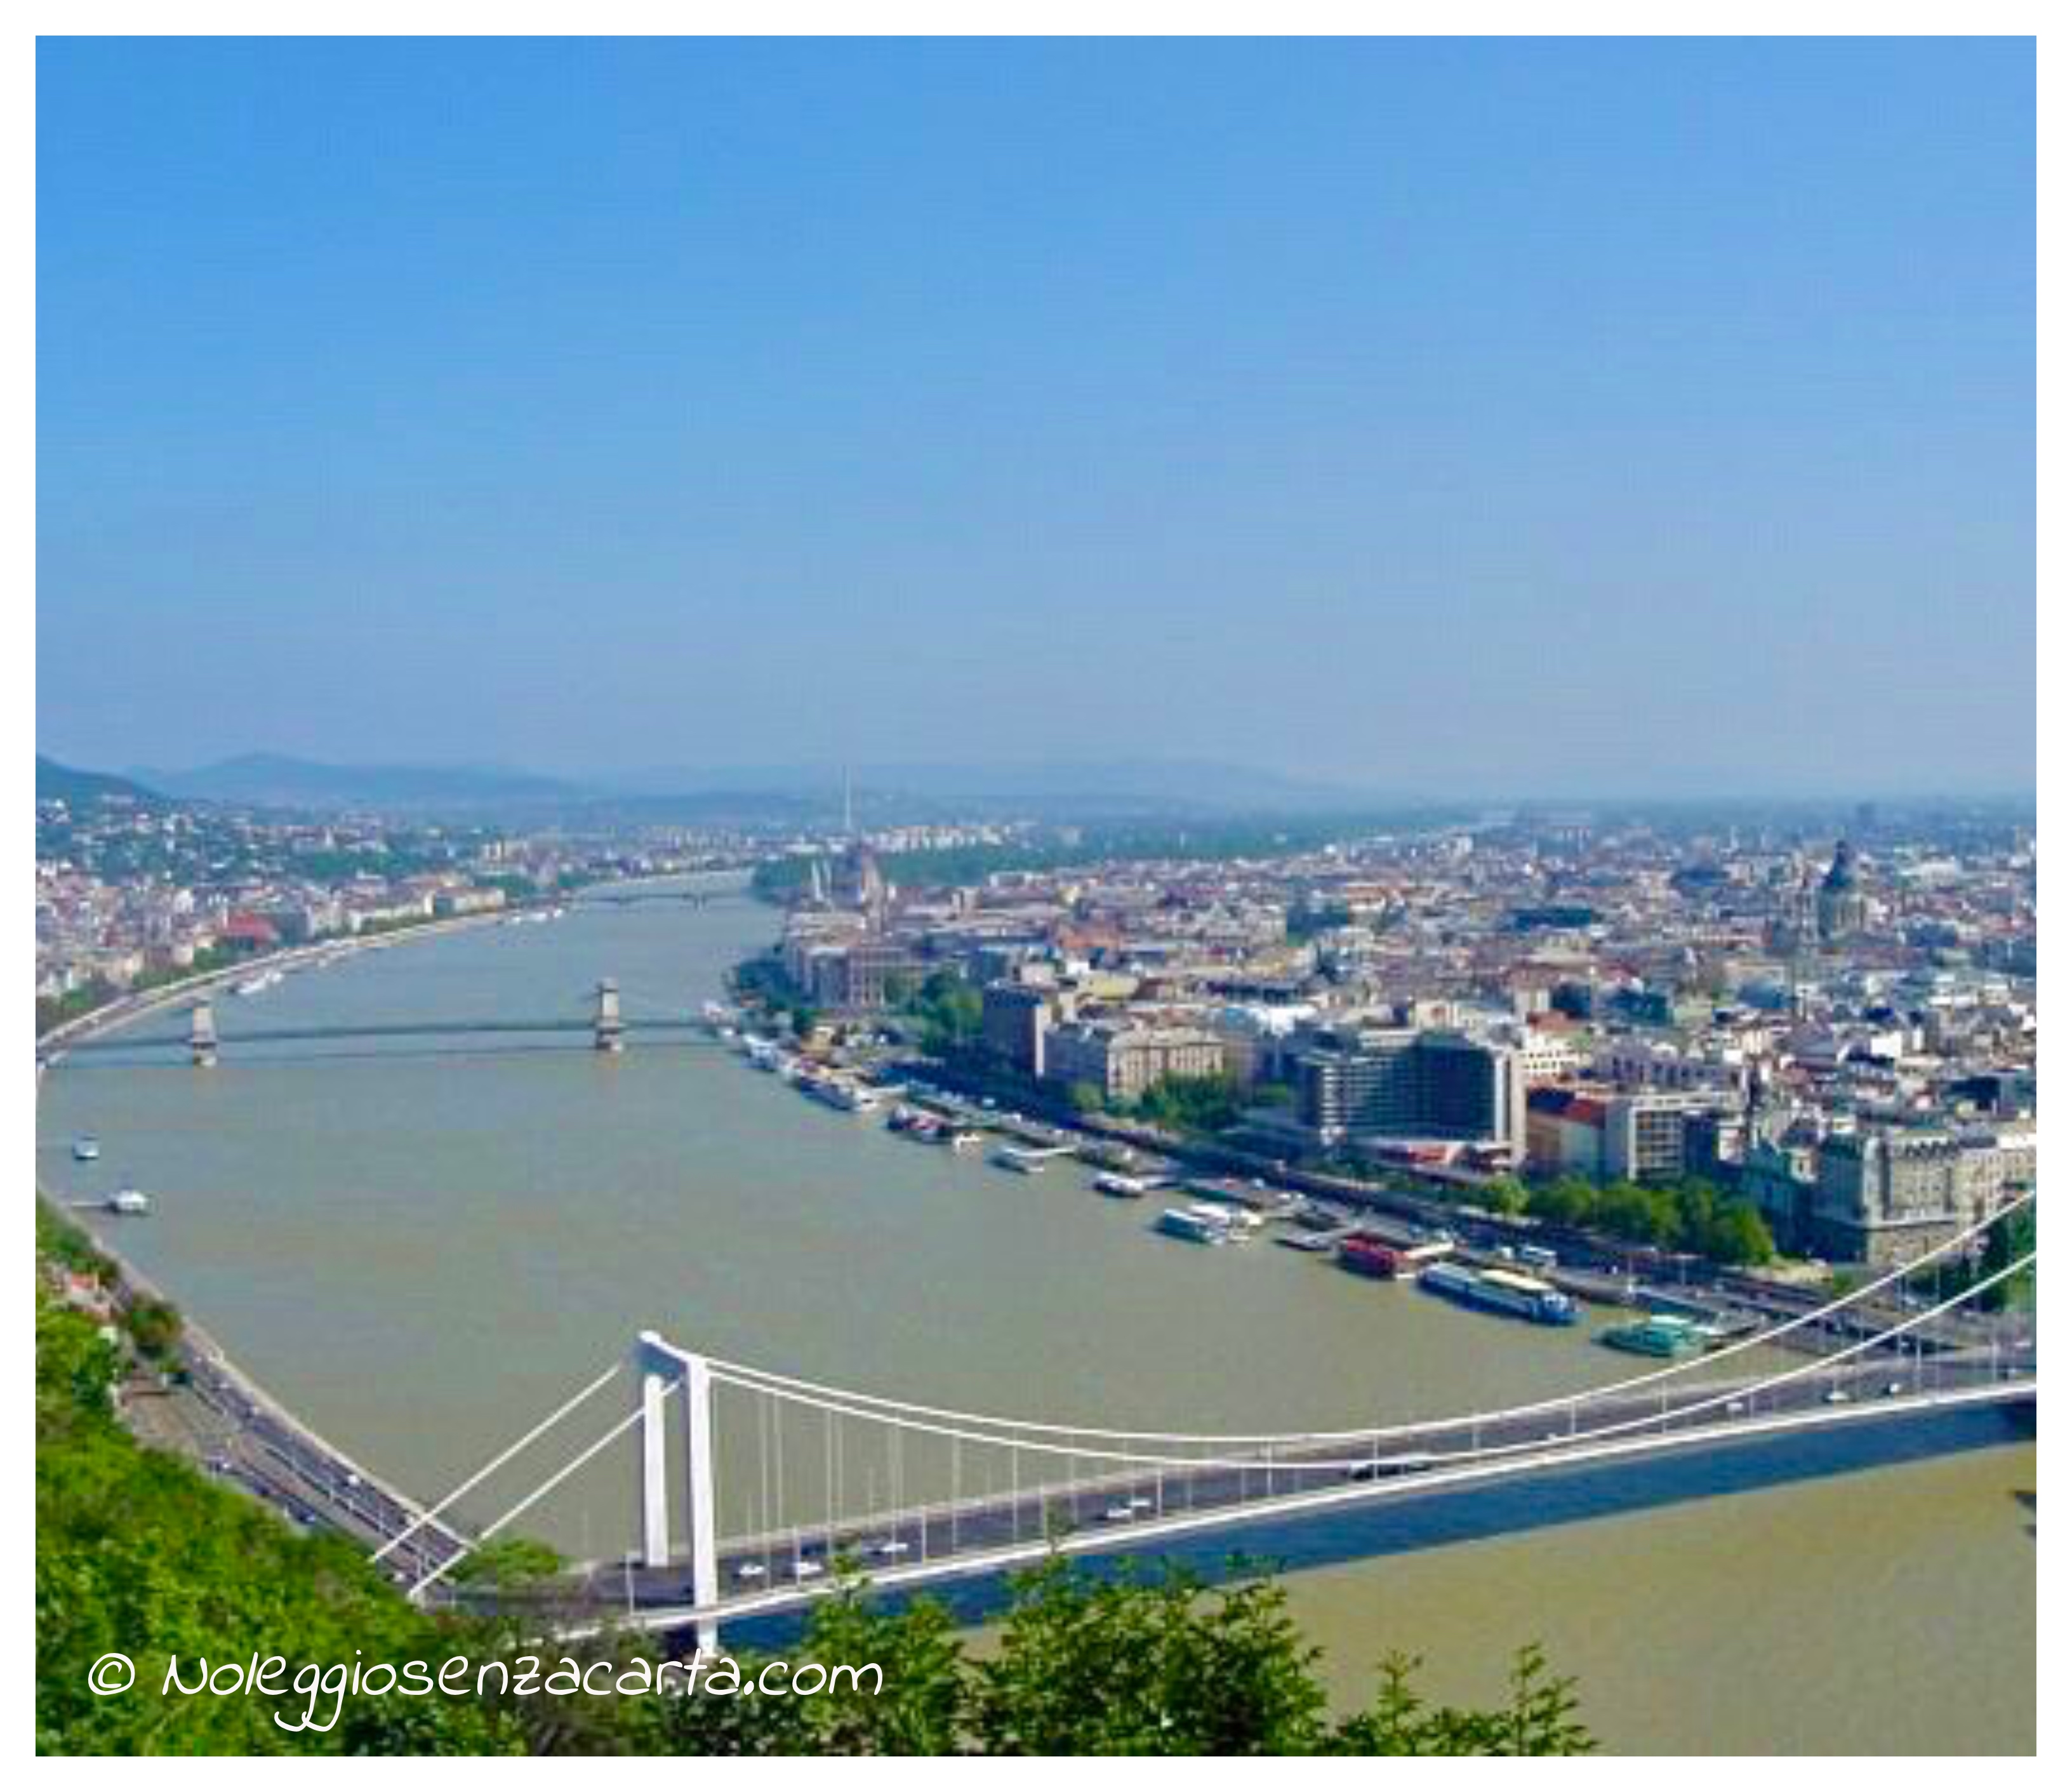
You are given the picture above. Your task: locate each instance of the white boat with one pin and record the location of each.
(1126, 1188)
(85, 1151)
(1197, 1224)
(1028, 1160)
(838, 1092)
(129, 1200)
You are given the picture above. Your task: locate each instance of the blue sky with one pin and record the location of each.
(1461, 417)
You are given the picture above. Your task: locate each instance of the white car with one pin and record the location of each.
(892, 1546)
(806, 1569)
(751, 1571)
(1117, 1514)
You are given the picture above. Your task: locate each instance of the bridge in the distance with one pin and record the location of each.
(917, 1495)
(204, 1038)
(610, 896)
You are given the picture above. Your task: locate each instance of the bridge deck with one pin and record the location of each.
(961, 1538)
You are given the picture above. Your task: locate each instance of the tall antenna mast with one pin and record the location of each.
(848, 804)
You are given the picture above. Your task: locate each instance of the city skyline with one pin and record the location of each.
(1456, 418)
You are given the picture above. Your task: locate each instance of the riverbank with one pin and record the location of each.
(125, 1009)
(1592, 1266)
(51, 1045)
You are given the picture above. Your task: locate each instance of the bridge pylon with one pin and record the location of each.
(609, 1029)
(202, 1042)
(664, 1370)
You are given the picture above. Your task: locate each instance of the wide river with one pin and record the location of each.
(423, 1245)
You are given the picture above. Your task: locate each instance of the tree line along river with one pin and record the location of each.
(422, 1246)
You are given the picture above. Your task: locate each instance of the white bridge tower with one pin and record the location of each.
(201, 1034)
(609, 1027)
(664, 1371)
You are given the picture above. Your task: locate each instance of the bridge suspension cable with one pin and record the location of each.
(1812, 1368)
(538, 1493)
(497, 1461)
(1192, 1490)
(746, 1374)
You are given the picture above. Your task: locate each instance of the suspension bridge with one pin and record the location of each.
(755, 1487)
(613, 1017)
(608, 896)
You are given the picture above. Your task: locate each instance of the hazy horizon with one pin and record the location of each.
(1483, 419)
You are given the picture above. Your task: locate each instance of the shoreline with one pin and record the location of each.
(52, 1046)
(197, 1345)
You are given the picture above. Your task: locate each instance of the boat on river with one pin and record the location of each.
(1202, 1223)
(1030, 1160)
(1503, 1291)
(1670, 1335)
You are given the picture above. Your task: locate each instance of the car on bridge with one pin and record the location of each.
(1389, 1467)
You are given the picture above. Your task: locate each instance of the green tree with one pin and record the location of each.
(1740, 1237)
(1568, 1201)
(951, 1012)
(1198, 1104)
(155, 1326)
(2010, 1238)
(1506, 1195)
(1151, 1665)
(1539, 1718)
(509, 1563)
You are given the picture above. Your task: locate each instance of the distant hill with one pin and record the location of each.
(273, 780)
(1062, 788)
(83, 790)
(797, 794)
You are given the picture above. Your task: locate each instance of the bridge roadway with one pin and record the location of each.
(267, 1451)
(764, 1574)
(689, 899)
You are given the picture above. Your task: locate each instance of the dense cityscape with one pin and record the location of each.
(1848, 1040)
(1841, 1031)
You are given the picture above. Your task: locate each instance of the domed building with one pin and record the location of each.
(1842, 909)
